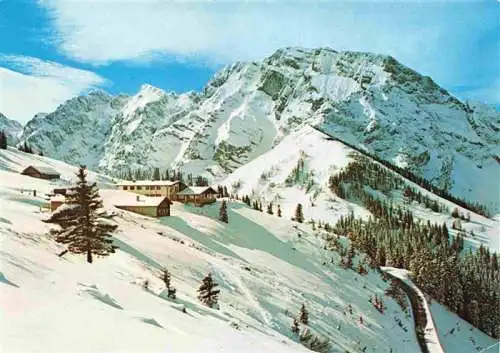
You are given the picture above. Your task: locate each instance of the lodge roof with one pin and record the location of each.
(148, 182)
(197, 190)
(125, 198)
(58, 198)
(42, 170)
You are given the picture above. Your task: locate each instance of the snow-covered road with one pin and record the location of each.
(430, 331)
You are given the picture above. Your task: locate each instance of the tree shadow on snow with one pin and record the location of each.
(136, 253)
(244, 233)
(150, 321)
(182, 226)
(199, 309)
(5, 220)
(4, 279)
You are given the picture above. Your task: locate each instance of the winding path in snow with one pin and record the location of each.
(425, 329)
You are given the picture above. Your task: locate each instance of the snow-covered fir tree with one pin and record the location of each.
(303, 315)
(81, 227)
(156, 174)
(207, 293)
(3, 140)
(223, 212)
(167, 280)
(299, 216)
(313, 342)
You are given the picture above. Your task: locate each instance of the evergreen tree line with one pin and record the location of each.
(257, 205)
(222, 191)
(168, 174)
(300, 176)
(151, 174)
(468, 284)
(424, 183)
(3, 140)
(26, 148)
(305, 336)
(413, 195)
(351, 183)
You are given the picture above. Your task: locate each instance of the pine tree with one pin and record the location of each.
(279, 211)
(260, 206)
(81, 227)
(299, 216)
(303, 315)
(313, 342)
(167, 280)
(206, 293)
(3, 140)
(156, 174)
(295, 326)
(223, 212)
(270, 208)
(225, 193)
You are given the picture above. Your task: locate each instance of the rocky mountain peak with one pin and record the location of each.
(368, 100)
(12, 129)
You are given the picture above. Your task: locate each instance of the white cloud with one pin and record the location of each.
(437, 38)
(31, 85)
(105, 31)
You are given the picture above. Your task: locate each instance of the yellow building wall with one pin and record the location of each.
(143, 210)
(164, 190)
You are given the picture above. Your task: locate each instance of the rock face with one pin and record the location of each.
(371, 101)
(12, 129)
(77, 130)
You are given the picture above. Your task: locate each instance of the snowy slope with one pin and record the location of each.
(265, 271)
(11, 128)
(14, 162)
(368, 100)
(457, 335)
(265, 179)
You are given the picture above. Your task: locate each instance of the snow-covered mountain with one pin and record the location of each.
(11, 128)
(271, 178)
(371, 101)
(76, 131)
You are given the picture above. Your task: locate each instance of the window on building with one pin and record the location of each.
(125, 187)
(158, 187)
(139, 187)
(132, 188)
(146, 187)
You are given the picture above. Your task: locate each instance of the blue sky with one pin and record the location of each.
(51, 50)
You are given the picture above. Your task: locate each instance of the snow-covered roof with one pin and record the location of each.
(196, 190)
(58, 198)
(148, 182)
(43, 169)
(125, 198)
